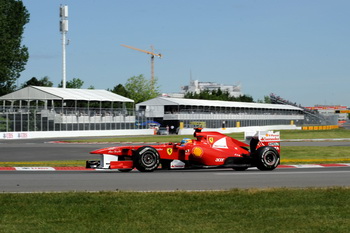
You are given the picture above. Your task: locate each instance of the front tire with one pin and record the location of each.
(146, 159)
(267, 158)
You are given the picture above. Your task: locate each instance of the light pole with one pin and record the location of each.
(64, 30)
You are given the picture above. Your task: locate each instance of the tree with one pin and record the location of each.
(13, 55)
(43, 82)
(75, 83)
(267, 99)
(245, 98)
(218, 95)
(140, 89)
(120, 90)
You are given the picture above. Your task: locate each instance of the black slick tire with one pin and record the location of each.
(267, 158)
(146, 159)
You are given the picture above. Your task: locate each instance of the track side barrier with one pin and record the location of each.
(320, 127)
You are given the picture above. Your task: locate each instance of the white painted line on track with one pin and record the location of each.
(308, 166)
(35, 168)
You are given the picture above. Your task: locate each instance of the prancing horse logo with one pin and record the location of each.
(169, 151)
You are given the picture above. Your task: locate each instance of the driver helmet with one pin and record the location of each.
(185, 141)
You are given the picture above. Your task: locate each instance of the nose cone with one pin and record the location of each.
(108, 150)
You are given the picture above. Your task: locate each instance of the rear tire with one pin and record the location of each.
(267, 158)
(146, 159)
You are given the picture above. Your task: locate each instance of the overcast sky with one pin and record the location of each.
(297, 49)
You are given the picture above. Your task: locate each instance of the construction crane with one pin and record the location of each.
(152, 60)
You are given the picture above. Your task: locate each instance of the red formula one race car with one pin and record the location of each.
(208, 150)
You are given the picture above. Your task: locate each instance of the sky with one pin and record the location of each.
(296, 49)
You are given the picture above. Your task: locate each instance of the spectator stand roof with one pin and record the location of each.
(54, 93)
(217, 103)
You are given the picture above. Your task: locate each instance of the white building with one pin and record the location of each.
(189, 113)
(196, 87)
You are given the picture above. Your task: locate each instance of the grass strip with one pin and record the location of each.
(315, 134)
(63, 163)
(151, 138)
(251, 210)
(312, 154)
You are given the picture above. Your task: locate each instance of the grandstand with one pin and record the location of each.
(312, 117)
(189, 113)
(56, 109)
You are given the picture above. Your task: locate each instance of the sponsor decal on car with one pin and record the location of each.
(114, 151)
(221, 143)
(169, 151)
(219, 160)
(175, 164)
(271, 137)
(197, 151)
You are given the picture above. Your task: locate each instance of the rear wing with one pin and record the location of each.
(263, 138)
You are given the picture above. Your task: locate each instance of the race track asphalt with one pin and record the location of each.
(184, 180)
(213, 179)
(45, 150)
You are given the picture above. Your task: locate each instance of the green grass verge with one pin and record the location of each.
(63, 163)
(151, 138)
(315, 154)
(252, 210)
(315, 134)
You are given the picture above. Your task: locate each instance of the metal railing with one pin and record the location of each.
(15, 119)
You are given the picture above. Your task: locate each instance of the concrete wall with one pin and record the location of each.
(243, 129)
(96, 133)
(85, 133)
